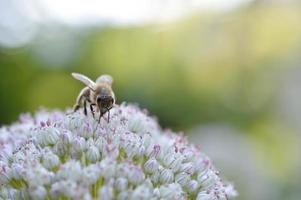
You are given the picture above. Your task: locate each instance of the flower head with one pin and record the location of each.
(53, 155)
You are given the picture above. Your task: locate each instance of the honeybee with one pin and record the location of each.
(98, 94)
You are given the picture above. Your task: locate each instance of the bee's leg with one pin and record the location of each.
(84, 93)
(76, 107)
(92, 110)
(108, 110)
(85, 107)
(100, 115)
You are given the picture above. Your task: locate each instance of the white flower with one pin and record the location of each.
(63, 188)
(50, 160)
(124, 195)
(15, 194)
(167, 176)
(202, 164)
(38, 193)
(141, 193)
(91, 174)
(106, 193)
(78, 145)
(155, 176)
(86, 130)
(182, 178)
(188, 168)
(155, 151)
(54, 156)
(172, 191)
(93, 154)
(71, 170)
(135, 175)
(168, 159)
(101, 144)
(121, 184)
(230, 191)
(136, 124)
(4, 193)
(177, 163)
(192, 186)
(188, 154)
(205, 195)
(213, 193)
(66, 137)
(17, 172)
(151, 165)
(108, 168)
(207, 178)
(156, 193)
(37, 175)
(47, 136)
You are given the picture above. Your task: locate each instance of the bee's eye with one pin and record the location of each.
(100, 98)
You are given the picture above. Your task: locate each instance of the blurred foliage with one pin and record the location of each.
(211, 67)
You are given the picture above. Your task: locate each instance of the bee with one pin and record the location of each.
(97, 94)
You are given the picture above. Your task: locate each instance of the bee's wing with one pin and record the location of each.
(84, 79)
(105, 79)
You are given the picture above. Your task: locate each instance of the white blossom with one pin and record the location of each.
(155, 176)
(141, 193)
(207, 178)
(177, 163)
(4, 193)
(106, 193)
(135, 175)
(151, 165)
(188, 168)
(93, 154)
(182, 178)
(54, 155)
(121, 184)
(47, 136)
(91, 174)
(38, 193)
(71, 170)
(50, 160)
(78, 145)
(188, 154)
(192, 185)
(123, 195)
(66, 188)
(172, 191)
(166, 176)
(136, 124)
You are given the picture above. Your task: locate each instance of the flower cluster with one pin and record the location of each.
(55, 155)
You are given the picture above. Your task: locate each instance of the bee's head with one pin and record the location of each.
(105, 101)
